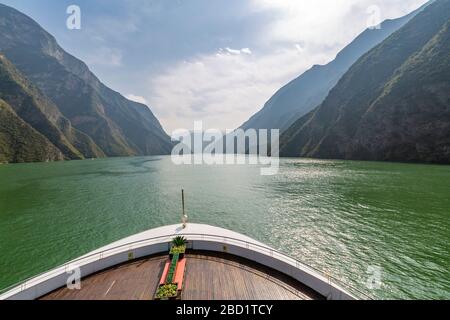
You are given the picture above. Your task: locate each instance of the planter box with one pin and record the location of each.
(174, 297)
(181, 254)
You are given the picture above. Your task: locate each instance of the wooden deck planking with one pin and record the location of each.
(133, 281)
(225, 277)
(209, 276)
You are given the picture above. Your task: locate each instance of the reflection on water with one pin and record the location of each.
(338, 216)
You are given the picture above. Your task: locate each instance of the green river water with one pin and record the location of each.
(342, 217)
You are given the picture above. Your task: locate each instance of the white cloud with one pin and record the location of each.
(235, 51)
(225, 88)
(135, 98)
(330, 21)
(299, 47)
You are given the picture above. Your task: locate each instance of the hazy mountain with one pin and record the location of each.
(393, 104)
(306, 92)
(117, 126)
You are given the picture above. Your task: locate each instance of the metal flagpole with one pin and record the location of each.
(184, 218)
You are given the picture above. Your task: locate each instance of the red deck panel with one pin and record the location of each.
(179, 273)
(164, 275)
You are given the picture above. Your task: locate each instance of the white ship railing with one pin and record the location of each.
(192, 238)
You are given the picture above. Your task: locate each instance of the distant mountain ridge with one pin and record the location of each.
(103, 122)
(306, 92)
(392, 105)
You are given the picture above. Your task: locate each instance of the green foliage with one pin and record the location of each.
(177, 250)
(65, 102)
(19, 142)
(36, 110)
(179, 241)
(172, 268)
(391, 105)
(307, 91)
(167, 291)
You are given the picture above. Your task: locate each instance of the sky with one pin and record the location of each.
(216, 61)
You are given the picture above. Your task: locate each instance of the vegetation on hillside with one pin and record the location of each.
(392, 105)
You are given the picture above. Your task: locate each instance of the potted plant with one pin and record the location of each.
(167, 292)
(178, 247)
(172, 268)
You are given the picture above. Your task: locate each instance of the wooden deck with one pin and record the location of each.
(209, 276)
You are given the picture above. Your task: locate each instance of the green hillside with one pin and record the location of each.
(19, 142)
(392, 105)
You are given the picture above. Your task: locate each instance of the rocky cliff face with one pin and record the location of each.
(19, 142)
(303, 94)
(104, 122)
(392, 105)
(41, 114)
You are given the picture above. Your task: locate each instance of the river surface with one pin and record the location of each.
(382, 228)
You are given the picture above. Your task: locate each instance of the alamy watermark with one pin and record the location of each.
(74, 279)
(374, 20)
(374, 280)
(73, 22)
(235, 147)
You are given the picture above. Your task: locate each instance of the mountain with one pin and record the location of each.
(19, 142)
(41, 114)
(114, 125)
(392, 105)
(306, 92)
